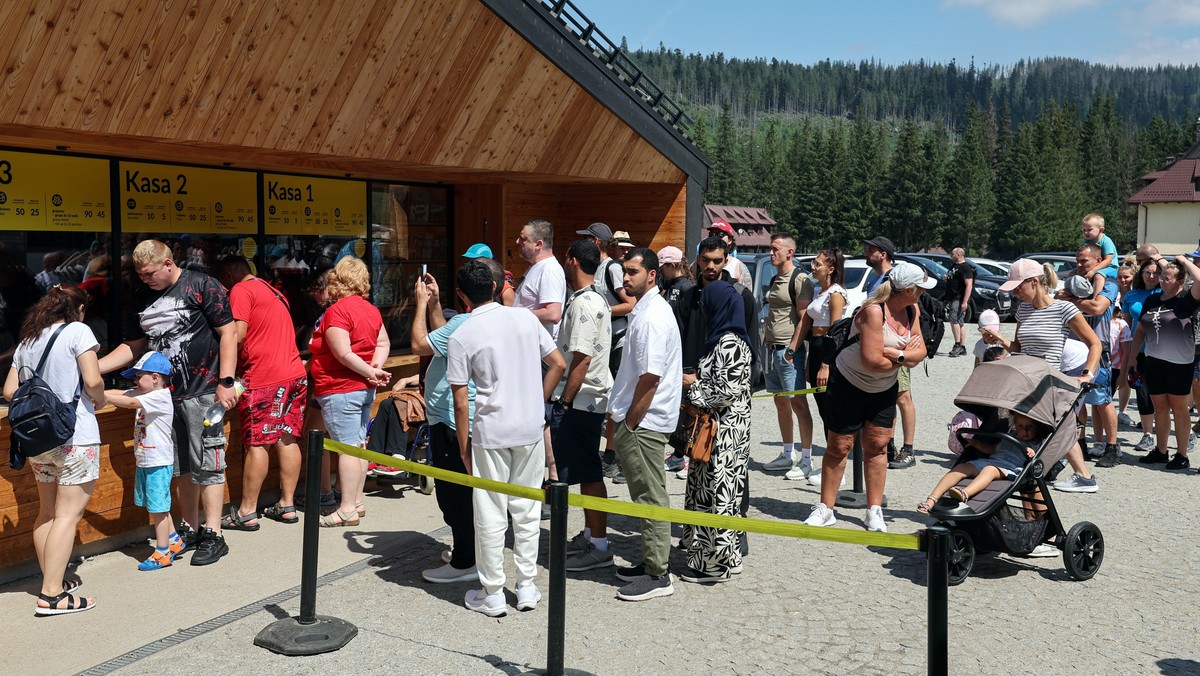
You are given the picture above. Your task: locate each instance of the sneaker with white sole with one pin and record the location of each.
(814, 479)
(1096, 450)
(673, 464)
(448, 574)
(647, 587)
(820, 516)
(875, 522)
(1044, 551)
(1077, 484)
(682, 474)
(781, 464)
(1145, 445)
(589, 559)
(578, 543)
(801, 470)
(492, 605)
(528, 596)
(703, 577)
(1124, 419)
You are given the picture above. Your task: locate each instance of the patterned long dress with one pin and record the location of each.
(715, 487)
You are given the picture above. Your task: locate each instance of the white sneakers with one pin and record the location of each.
(814, 479)
(875, 522)
(820, 516)
(780, 464)
(802, 470)
(528, 596)
(492, 605)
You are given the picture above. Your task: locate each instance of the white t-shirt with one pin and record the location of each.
(500, 349)
(544, 283)
(586, 328)
(652, 345)
(1074, 356)
(61, 373)
(153, 442)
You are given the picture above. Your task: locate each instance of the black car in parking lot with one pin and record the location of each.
(985, 293)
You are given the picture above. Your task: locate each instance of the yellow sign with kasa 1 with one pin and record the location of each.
(173, 198)
(314, 206)
(59, 193)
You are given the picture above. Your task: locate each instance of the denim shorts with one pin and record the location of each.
(346, 415)
(781, 375)
(152, 488)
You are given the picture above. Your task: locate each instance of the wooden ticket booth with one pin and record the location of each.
(295, 133)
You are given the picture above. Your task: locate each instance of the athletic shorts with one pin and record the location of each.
(152, 488)
(199, 450)
(575, 436)
(270, 412)
(955, 314)
(67, 465)
(1163, 377)
(847, 408)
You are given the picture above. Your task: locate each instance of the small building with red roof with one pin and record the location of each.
(1169, 205)
(752, 226)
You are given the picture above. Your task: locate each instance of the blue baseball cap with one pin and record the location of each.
(153, 362)
(479, 250)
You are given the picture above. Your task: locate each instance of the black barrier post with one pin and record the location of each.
(309, 634)
(937, 552)
(856, 498)
(556, 495)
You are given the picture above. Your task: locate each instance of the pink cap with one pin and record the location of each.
(670, 254)
(723, 227)
(1021, 270)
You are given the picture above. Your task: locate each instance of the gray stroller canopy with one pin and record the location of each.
(1030, 386)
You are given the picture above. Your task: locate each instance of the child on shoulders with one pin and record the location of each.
(154, 450)
(1092, 228)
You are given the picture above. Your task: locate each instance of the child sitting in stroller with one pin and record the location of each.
(1001, 460)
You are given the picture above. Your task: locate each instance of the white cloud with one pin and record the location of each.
(1153, 51)
(1169, 12)
(1022, 13)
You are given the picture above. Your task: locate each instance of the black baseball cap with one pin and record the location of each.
(598, 230)
(883, 244)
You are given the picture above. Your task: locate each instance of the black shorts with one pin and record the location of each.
(847, 408)
(1164, 377)
(575, 436)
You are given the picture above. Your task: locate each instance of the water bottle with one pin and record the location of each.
(216, 412)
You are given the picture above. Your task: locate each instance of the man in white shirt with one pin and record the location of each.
(498, 348)
(645, 408)
(544, 287)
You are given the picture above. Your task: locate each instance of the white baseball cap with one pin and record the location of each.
(904, 275)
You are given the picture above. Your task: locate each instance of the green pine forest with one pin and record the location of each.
(999, 160)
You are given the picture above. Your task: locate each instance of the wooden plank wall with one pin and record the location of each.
(434, 85)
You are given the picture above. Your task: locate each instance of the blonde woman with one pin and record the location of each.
(349, 346)
(864, 385)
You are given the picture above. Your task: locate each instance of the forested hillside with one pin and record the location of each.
(1003, 160)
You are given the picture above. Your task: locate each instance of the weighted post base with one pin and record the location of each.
(854, 500)
(289, 637)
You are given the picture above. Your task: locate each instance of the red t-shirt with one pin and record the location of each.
(362, 321)
(268, 356)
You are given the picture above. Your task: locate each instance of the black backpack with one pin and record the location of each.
(933, 327)
(40, 420)
(839, 338)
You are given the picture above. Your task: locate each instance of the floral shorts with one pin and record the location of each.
(67, 465)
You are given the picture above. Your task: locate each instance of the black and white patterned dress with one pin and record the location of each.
(715, 487)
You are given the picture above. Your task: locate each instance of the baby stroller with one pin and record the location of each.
(394, 432)
(1016, 515)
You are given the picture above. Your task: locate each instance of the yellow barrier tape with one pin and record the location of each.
(633, 509)
(811, 390)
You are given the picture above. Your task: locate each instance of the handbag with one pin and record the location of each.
(702, 435)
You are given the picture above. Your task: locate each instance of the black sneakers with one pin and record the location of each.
(210, 548)
(1154, 457)
(1111, 456)
(631, 573)
(188, 536)
(1179, 462)
(647, 587)
(957, 351)
(904, 458)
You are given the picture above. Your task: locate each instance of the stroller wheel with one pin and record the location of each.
(962, 556)
(425, 484)
(1083, 550)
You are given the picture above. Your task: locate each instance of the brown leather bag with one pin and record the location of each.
(703, 433)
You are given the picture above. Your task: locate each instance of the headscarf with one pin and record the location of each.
(725, 312)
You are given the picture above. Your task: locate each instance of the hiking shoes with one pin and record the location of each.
(1111, 457)
(210, 548)
(1154, 457)
(904, 459)
(1179, 462)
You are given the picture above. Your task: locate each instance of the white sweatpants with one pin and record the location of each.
(523, 466)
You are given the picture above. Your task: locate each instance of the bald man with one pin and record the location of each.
(960, 281)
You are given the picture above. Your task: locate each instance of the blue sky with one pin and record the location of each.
(1124, 32)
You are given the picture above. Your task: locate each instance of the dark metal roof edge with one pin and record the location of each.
(535, 24)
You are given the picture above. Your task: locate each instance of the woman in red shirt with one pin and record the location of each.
(349, 346)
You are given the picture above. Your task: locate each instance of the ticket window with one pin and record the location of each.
(33, 262)
(298, 266)
(410, 232)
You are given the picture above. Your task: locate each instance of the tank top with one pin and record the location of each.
(852, 368)
(819, 308)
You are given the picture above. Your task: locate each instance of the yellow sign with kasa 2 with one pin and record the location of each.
(172, 198)
(59, 193)
(314, 206)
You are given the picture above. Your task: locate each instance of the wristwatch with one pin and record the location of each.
(790, 352)
(900, 357)
(227, 381)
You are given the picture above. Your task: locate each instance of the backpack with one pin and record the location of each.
(40, 420)
(933, 327)
(839, 337)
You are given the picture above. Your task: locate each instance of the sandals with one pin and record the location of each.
(327, 520)
(281, 513)
(927, 504)
(157, 561)
(234, 520)
(70, 586)
(362, 509)
(72, 607)
(958, 494)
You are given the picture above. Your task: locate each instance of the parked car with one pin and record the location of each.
(1063, 263)
(987, 266)
(985, 293)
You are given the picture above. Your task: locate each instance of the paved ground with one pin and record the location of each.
(799, 607)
